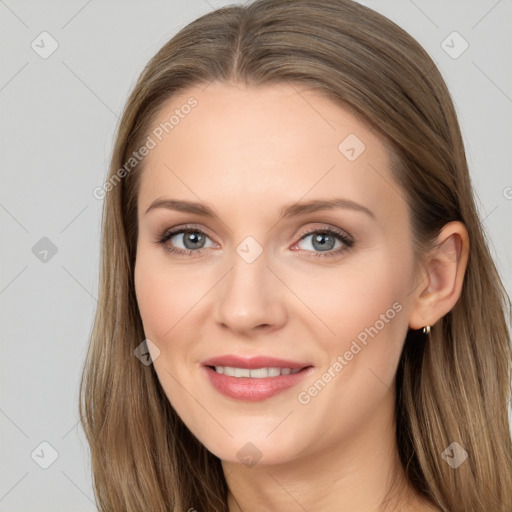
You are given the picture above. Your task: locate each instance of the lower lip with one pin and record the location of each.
(251, 389)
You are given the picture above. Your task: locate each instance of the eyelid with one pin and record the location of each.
(167, 233)
(345, 238)
(178, 230)
(347, 241)
(326, 228)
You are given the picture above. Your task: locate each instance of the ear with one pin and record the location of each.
(441, 276)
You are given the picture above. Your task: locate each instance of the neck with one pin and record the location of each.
(362, 472)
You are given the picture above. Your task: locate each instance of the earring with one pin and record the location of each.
(426, 330)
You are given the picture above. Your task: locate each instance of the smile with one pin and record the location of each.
(254, 384)
(256, 373)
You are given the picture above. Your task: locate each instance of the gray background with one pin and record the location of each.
(58, 118)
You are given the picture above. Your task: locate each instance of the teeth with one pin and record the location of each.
(256, 373)
(227, 370)
(274, 372)
(259, 373)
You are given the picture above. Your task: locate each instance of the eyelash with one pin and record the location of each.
(340, 235)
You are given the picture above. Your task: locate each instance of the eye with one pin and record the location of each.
(185, 241)
(190, 241)
(323, 241)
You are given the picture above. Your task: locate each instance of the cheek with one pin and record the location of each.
(160, 301)
(354, 297)
(151, 298)
(169, 296)
(364, 306)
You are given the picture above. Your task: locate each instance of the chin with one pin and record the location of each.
(250, 451)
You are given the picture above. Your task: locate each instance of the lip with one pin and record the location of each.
(251, 389)
(253, 362)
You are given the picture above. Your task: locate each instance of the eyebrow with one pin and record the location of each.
(289, 210)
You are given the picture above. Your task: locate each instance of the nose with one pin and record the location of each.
(250, 298)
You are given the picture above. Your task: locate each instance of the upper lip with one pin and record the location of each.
(253, 362)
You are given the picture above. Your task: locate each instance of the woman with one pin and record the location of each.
(298, 309)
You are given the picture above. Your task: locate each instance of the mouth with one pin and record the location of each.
(255, 373)
(254, 379)
(253, 363)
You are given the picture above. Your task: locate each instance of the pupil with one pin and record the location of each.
(192, 240)
(323, 244)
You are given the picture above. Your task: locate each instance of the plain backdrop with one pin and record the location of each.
(58, 116)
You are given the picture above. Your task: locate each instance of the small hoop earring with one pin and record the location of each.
(426, 330)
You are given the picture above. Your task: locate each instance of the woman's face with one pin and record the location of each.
(266, 271)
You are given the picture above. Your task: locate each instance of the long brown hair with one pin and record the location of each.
(453, 388)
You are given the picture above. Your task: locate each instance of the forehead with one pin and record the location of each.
(271, 143)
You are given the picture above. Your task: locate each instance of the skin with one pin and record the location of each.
(246, 152)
